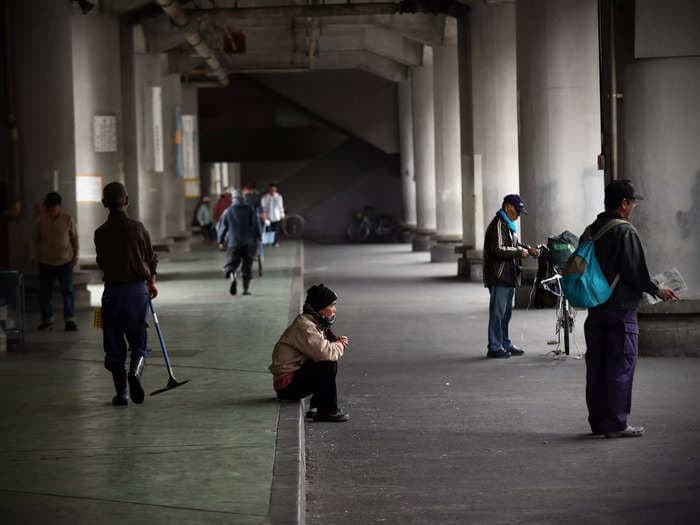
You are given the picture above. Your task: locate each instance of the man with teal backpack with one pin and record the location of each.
(607, 274)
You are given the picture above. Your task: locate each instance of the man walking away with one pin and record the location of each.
(242, 227)
(56, 248)
(502, 255)
(127, 259)
(272, 205)
(611, 328)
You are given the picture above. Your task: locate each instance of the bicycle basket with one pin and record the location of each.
(561, 247)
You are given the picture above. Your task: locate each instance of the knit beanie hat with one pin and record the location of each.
(319, 297)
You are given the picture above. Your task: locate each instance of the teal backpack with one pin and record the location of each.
(583, 282)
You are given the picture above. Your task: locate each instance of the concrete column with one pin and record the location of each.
(172, 184)
(424, 151)
(408, 180)
(495, 107)
(448, 165)
(559, 115)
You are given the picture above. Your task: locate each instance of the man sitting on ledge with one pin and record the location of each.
(305, 359)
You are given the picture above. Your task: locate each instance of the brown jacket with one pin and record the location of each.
(124, 251)
(304, 339)
(55, 239)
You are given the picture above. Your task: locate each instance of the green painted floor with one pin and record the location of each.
(202, 453)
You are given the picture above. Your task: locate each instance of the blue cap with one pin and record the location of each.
(516, 201)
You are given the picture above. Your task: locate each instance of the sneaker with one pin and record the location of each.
(234, 287)
(246, 292)
(515, 351)
(46, 325)
(498, 354)
(338, 417)
(71, 326)
(629, 432)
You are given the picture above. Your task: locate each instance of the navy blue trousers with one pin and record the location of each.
(500, 312)
(48, 275)
(611, 356)
(316, 379)
(124, 311)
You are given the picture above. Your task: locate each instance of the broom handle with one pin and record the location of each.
(160, 336)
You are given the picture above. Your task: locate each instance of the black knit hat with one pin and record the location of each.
(52, 199)
(114, 194)
(319, 297)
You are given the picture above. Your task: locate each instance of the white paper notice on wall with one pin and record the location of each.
(157, 123)
(191, 188)
(104, 133)
(88, 188)
(189, 130)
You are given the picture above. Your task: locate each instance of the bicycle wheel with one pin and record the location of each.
(357, 231)
(293, 226)
(566, 325)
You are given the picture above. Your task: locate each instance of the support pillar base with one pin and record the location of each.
(422, 242)
(444, 251)
(470, 266)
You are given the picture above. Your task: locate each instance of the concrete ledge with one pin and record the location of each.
(288, 492)
(670, 329)
(422, 243)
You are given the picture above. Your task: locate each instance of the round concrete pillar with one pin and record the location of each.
(557, 68)
(408, 181)
(495, 108)
(424, 151)
(448, 166)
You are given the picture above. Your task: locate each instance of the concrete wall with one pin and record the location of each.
(362, 104)
(44, 98)
(661, 133)
(327, 190)
(96, 91)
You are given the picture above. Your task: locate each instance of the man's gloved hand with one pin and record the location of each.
(669, 295)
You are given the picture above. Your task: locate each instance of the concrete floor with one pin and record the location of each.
(202, 453)
(441, 435)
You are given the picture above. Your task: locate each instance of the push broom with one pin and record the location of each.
(172, 382)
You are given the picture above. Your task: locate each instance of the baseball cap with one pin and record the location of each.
(618, 190)
(516, 201)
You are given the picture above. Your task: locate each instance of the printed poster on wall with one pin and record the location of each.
(189, 145)
(88, 188)
(104, 133)
(157, 129)
(192, 188)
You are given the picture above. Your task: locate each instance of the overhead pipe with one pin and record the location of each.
(182, 21)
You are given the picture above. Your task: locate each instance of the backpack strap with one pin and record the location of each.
(605, 229)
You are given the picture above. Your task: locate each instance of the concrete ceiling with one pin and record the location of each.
(300, 35)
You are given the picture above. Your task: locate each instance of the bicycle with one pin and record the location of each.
(565, 313)
(367, 224)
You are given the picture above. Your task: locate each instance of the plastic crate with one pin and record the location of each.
(12, 307)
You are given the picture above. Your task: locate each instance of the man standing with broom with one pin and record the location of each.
(127, 259)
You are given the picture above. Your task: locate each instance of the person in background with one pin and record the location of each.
(56, 249)
(272, 204)
(223, 204)
(240, 229)
(203, 218)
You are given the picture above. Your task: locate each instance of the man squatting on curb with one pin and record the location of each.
(125, 255)
(305, 359)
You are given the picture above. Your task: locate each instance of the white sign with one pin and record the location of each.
(88, 188)
(189, 129)
(157, 120)
(104, 133)
(191, 188)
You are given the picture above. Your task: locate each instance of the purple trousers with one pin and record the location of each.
(611, 356)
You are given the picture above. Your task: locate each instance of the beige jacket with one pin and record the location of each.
(303, 339)
(55, 240)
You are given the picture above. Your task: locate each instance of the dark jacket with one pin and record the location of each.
(124, 251)
(241, 224)
(620, 251)
(501, 255)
